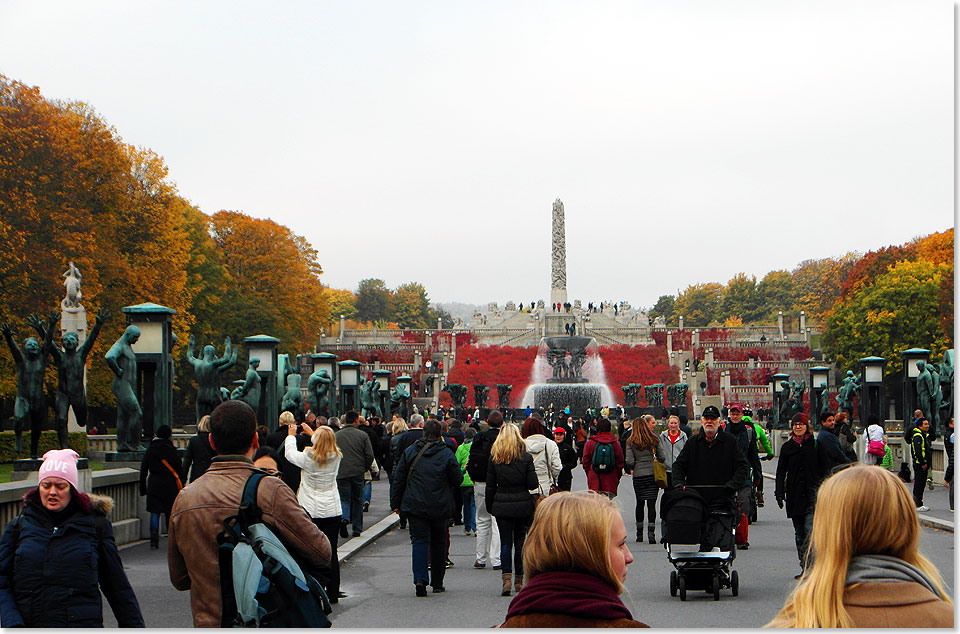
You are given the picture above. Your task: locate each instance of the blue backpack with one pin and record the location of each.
(604, 459)
(261, 584)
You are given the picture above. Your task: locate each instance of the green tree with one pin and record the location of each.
(817, 283)
(776, 292)
(898, 311)
(373, 300)
(411, 306)
(741, 299)
(664, 308)
(340, 302)
(699, 304)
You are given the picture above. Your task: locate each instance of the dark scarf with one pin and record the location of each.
(572, 593)
(799, 439)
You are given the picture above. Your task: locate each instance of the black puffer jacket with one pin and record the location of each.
(53, 567)
(508, 487)
(161, 485)
(800, 469)
(426, 489)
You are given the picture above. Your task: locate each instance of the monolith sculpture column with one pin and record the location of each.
(558, 259)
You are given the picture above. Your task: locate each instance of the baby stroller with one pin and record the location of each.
(699, 523)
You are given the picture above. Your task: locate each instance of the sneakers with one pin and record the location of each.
(366, 507)
(744, 546)
(479, 564)
(437, 589)
(497, 567)
(449, 564)
(923, 509)
(421, 589)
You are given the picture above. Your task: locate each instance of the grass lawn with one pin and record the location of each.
(6, 469)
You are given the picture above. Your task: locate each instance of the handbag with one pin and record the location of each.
(875, 448)
(659, 472)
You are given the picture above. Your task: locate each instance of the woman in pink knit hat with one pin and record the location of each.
(59, 553)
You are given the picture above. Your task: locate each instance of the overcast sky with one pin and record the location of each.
(426, 141)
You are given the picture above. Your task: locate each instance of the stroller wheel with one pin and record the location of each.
(682, 587)
(716, 587)
(734, 583)
(673, 583)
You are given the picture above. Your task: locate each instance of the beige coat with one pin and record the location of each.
(896, 604)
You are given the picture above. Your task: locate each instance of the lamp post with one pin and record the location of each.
(382, 377)
(264, 347)
(871, 388)
(349, 381)
(910, 374)
(819, 382)
(777, 391)
(154, 352)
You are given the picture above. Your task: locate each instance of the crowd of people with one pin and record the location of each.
(562, 555)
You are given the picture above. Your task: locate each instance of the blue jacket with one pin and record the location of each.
(427, 489)
(832, 450)
(51, 576)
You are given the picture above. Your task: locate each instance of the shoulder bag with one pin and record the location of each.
(659, 471)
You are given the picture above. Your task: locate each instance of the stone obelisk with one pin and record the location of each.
(558, 258)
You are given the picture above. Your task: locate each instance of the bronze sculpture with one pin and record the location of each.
(208, 369)
(71, 361)
(30, 407)
(123, 362)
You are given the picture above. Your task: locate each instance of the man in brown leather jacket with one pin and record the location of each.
(201, 507)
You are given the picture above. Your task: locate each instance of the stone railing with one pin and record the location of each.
(128, 517)
(398, 369)
(98, 445)
(336, 347)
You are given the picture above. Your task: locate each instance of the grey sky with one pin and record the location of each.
(426, 141)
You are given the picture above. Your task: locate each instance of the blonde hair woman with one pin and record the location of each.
(642, 447)
(866, 569)
(510, 478)
(318, 493)
(576, 562)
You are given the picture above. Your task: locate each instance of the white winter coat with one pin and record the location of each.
(543, 449)
(318, 494)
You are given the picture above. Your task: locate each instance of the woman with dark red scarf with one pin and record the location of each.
(575, 561)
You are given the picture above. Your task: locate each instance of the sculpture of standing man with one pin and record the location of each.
(30, 407)
(208, 369)
(71, 362)
(318, 385)
(370, 398)
(123, 361)
(250, 390)
(849, 389)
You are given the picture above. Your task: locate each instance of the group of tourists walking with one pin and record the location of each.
(562, 556)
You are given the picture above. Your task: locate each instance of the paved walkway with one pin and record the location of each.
(377, 577)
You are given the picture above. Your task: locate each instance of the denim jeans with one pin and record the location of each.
(802, 527)
(351, 506)
(428, 542)
(513, 532)
(367, 491)
(469, 509)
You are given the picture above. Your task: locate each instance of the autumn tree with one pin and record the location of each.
(411, 307)
(741, 300)
(817, 283)
(776, 292)
(898, 311)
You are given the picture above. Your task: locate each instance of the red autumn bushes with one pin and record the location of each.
(491, 365)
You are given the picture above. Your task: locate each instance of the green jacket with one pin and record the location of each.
(463, 454)
(887, 462)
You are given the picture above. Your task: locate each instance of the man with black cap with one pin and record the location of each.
(711, 458)
(747, 441)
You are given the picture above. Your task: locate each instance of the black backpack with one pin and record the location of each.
(261, 584)
(480, 455)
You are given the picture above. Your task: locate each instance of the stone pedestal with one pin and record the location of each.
(129, 459)
(27, 469)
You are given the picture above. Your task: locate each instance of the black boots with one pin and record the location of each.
(154, 539)
(651, 534)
